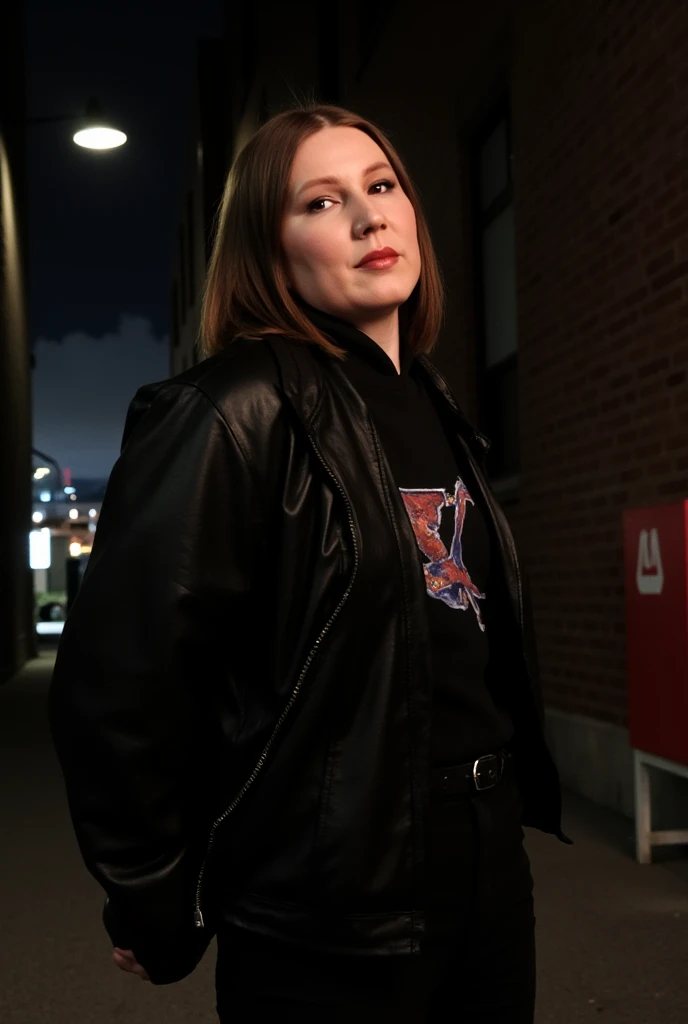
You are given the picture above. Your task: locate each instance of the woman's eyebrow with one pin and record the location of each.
(332, 180)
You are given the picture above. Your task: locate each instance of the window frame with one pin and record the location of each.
(174, 304)
(190, 241)
(504, 482)
(183, 290)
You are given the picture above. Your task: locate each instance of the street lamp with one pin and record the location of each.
(52, 462)
(95, 132)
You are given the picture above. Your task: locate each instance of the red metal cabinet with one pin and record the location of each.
(655, 555)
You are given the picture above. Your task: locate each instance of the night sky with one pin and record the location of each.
(103, 226)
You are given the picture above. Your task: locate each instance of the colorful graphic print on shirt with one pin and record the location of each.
(446, 577)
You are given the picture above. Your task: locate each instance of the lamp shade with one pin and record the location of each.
(96, 132)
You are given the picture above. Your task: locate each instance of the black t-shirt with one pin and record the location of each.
(456, 546)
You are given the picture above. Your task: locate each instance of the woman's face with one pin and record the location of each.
(328, 227)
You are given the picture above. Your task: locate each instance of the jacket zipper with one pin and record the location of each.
(505, 529)
(198, 916)
(497, 517)
(500, 521)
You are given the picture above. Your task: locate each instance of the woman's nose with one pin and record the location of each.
(369, 219)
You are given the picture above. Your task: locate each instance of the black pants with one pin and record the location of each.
(478, 964)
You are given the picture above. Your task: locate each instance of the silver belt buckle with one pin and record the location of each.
(492, 773)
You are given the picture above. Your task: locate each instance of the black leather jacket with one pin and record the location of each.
(241, 697)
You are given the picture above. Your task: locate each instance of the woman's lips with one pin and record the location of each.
(379, 264)
(377, 254)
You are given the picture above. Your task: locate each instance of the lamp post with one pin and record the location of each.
(95, 130)
(90, 131)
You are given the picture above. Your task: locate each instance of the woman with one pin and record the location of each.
(296, 702)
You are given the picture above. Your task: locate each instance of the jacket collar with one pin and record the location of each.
(478, 442)
(305, 370)
(344, 334)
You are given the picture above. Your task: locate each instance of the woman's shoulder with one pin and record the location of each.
(245, 384)
(245, 366)
(244, 371)
(252, 376)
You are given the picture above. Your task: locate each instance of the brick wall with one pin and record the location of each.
(600, 128)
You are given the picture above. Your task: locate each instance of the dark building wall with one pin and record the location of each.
(594, 94)
(287, 62)
(597, 95)
(16, 640)
(600, 101)
(210, 143)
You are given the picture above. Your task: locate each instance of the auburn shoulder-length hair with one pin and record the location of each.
(245, 292)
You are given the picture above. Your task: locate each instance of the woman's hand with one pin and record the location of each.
(126, 961)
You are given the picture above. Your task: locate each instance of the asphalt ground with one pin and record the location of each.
(612, 935)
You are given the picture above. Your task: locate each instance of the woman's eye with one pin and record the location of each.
(314, 203)
(389, 184)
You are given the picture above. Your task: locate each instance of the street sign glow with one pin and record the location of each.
(39, 548)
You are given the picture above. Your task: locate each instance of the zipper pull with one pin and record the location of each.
(483, 441)
(198, 919)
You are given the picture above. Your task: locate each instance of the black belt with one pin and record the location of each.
(483, 773)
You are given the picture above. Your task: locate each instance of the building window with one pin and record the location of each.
(182, 273)
(496, 294)
(190, 238)
(174, 311)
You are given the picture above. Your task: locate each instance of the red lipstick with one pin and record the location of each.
(382, 257)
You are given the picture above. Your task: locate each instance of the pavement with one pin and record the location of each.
(612, 935)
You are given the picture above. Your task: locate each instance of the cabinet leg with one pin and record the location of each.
(643, 811)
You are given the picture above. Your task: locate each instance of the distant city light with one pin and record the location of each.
(45, 495)
(70, 490)
(75, 548)
(92, 513)
(40, 472)
(72, 497)
(74, 513)
(91, 527)
(39, 548)
(37, 517)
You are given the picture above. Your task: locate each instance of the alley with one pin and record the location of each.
(612, 935)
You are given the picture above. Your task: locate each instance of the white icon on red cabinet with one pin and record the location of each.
(649, 574)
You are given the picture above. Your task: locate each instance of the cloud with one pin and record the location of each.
(82, 386)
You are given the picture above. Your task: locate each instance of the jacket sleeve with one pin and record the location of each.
(131, 701)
